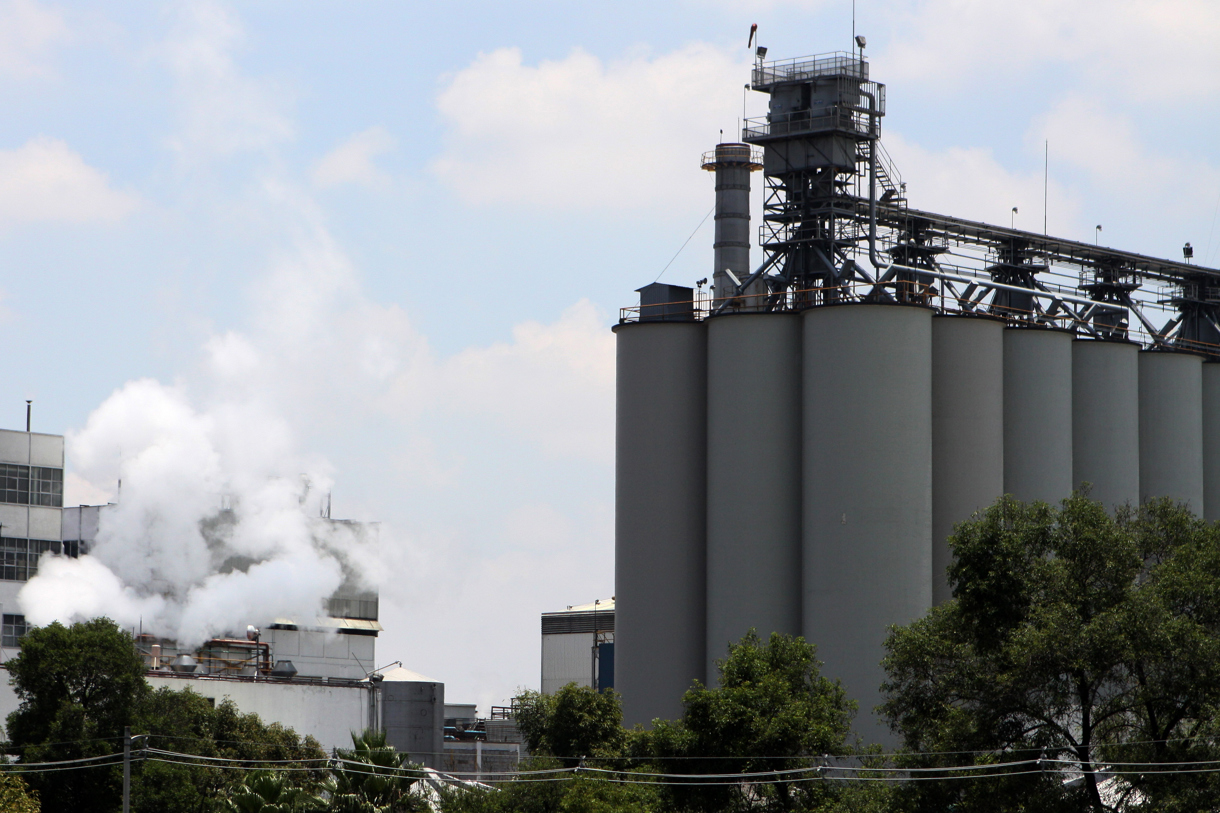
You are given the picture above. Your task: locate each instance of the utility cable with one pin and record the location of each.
(688, 239)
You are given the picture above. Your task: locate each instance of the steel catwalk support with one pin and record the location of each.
(1037, 414)
(967, 429)
(867, 488)
(753, 479)
(1171, 427)
(1211, 441)
(660, 515)
(1105, 420)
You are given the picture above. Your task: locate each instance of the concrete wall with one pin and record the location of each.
(967, 429)
(867, 440)
(660, 515)
(753, 479)
(317, 653)
(1105, 420)
(31, 448)
(327, 713)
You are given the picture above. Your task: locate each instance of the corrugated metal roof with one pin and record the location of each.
(330, 623)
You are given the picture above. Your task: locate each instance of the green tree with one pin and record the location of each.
(16, 796)
(574, 723)
(1075, 636)
(187, 722)
(773, 711)
(268, 792)
(575, 794)
(78, 687)
(373, 778)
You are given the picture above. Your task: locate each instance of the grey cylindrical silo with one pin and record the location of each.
(867, 488)
(660, 515)
(967, 429)
(1171, 427)
(1211, 441)
(1105, 420)
(1037, 414)
(753, 479)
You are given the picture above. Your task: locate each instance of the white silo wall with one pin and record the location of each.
(1211, 441)
(1037, 414)
(867, 488)
(660, 516)
(753, 479)
(1105, 420)
(967, 429)
(1171, 427)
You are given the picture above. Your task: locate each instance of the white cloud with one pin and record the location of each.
(45, 180)
(222, 111)
(553, 384)
(1148, 51)
(581, 133)
(352, 161)
(27, 31)
(969, 182)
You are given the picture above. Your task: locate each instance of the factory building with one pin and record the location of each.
(795, 444)
(578, 647)
(316, 675)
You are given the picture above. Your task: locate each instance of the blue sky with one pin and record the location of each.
(403, 231)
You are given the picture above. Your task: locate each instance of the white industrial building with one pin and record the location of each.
(578, 646)
(318, 676)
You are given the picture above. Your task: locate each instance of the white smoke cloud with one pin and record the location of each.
(166, 556)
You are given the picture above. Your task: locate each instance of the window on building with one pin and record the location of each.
(31, 485)
(19, 557)
(13, 630)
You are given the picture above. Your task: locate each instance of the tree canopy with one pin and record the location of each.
(1075, 636)
(78, 687)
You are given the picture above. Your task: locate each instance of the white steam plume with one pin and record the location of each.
(167, 557)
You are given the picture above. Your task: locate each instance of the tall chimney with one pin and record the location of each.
(732, 163)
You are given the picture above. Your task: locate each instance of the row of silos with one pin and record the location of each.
(799, 473)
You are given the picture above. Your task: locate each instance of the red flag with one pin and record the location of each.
(753, 31)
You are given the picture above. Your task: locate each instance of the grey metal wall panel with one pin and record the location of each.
(1105, 420)
(1211, 441)
(967, 429)
(660, 515)
(413, 716)
(867, 488)
(753, 479)
(1171, 427)
(1037, 414)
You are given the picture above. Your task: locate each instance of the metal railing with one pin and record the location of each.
(789, 70)
(944, 299)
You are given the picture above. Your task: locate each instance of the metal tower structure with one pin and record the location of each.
(837, 228)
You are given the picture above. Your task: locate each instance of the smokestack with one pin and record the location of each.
(27, 415)
(732, 163)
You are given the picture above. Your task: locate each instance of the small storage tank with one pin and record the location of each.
(753, 479)
(1171, 426)
(867, 486)
(1037, 414)
(660, 515)
(1105, 420)
(1211, 441)
(967, 429)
